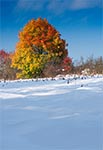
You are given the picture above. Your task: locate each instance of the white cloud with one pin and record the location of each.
(57, 6)
(35, 5)
(82, 4)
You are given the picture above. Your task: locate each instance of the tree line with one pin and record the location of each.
(90, 66)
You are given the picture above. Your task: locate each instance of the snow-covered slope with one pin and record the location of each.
(51, 114)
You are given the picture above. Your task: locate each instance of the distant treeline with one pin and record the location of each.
(89, 66)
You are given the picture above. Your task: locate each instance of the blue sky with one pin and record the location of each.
(78, 21)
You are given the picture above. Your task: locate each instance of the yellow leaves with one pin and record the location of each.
(28, 59)
(56, 40)
(31, 67)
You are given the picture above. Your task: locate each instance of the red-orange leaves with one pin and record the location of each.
(3, 56)
(67, 63)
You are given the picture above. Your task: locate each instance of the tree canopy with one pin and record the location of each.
(40, 45)
(6, 72)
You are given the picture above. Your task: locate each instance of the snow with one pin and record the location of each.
(52, 114)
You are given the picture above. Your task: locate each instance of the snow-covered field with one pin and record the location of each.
(51, 114)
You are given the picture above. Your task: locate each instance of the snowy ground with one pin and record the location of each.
(51, 115)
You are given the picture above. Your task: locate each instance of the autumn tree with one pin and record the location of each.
(40, 45)
(6, 72)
